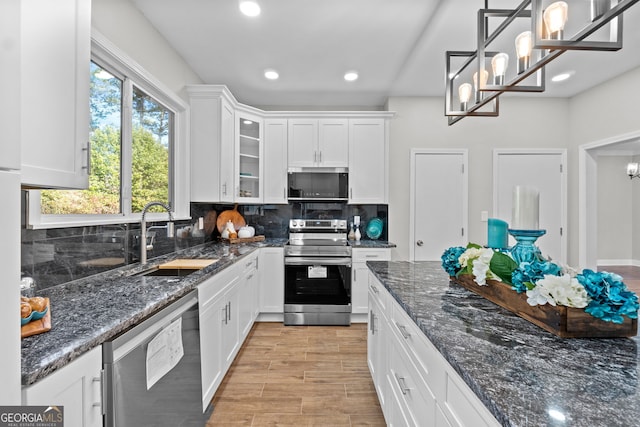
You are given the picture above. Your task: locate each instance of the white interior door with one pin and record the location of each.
(438, 202)
(543, 169)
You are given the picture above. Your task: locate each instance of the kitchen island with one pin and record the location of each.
(524, 375)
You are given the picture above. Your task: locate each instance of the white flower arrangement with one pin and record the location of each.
(480, 258)
(558, 290)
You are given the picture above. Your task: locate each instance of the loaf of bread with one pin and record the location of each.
(25, 309)
(37, 303)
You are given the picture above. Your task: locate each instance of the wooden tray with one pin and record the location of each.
(244, 239)
(37, 326)
(565, 322)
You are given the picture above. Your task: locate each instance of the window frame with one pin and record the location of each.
(105, 53)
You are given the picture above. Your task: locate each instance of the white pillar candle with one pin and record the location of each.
(526, 208)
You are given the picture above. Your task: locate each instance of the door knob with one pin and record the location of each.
(419, 243)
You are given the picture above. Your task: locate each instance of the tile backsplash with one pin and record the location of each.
(60, 255)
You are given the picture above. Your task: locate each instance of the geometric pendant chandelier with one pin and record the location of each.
(514, 45)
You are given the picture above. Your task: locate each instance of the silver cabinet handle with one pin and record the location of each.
(402, 384)
(101, 382)
(229, 311)
(374, 289)
(225, 314)
(372, 320)
(351, 193)
(403, 331)
(419, 243)
(224, 188)
(88, 150)
(320, 156)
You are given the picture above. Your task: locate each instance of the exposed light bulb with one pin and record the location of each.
(524, 45)
(555, 16)
(480, 83)
(249, 8)
(499, 64)
(464, 94)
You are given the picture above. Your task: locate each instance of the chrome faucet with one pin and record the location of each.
(143, 229)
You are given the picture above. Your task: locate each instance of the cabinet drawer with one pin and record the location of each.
(216, 285)
(364, 255)
(412, 396)
(462, 407)
(378, 292)
(430, 364)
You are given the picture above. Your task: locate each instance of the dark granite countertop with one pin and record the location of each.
(87, 312)
(524, 375)
(372, 244)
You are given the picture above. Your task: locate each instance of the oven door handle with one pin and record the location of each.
(300, 260)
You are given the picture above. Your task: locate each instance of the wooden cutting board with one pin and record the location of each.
(191, 264)
(37, 326)
(231, 215)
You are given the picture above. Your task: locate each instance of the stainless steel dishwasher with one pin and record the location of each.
(153, 371)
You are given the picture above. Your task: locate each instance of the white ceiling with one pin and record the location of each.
(397, 46)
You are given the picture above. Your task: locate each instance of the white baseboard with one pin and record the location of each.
(270, 317)
(619, 262)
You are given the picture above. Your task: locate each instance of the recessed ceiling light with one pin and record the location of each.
(351, 76)
(249, 7)
(271, 74)
(561, 77)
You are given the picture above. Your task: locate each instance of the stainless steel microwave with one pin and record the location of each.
(318, 184)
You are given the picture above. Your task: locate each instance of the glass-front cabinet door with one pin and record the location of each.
(249, 158)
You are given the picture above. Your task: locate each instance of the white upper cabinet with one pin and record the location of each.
(318, 143)
(249, 158)
(10, 84)
(368, 164)
(275, 161)
(212, 144)
(54, 100)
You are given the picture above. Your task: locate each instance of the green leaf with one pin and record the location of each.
(502, 265)
(473, 245)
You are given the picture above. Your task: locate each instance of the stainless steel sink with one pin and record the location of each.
(175, 272)
(178, 267)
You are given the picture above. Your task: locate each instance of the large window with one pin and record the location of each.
(148, 139)
(139, 150)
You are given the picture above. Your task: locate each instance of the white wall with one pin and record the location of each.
(603, 112)
(635, 216)
(526, 122)
(615, 209)
(126, 27)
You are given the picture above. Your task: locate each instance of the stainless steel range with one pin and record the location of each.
(317, 288)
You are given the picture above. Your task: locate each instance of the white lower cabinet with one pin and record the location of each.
(227, 303)
(247, 295)
(377, 340)
(422, 388)
(77, 387)
(271, 282)
(360, 275)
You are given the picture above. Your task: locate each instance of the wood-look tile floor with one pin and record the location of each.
(630, 275)
(299, 376)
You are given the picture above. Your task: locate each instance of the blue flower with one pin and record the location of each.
(531, 272)
(450, 261)
(610, 298)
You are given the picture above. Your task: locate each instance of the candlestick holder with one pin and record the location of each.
(526, 250)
